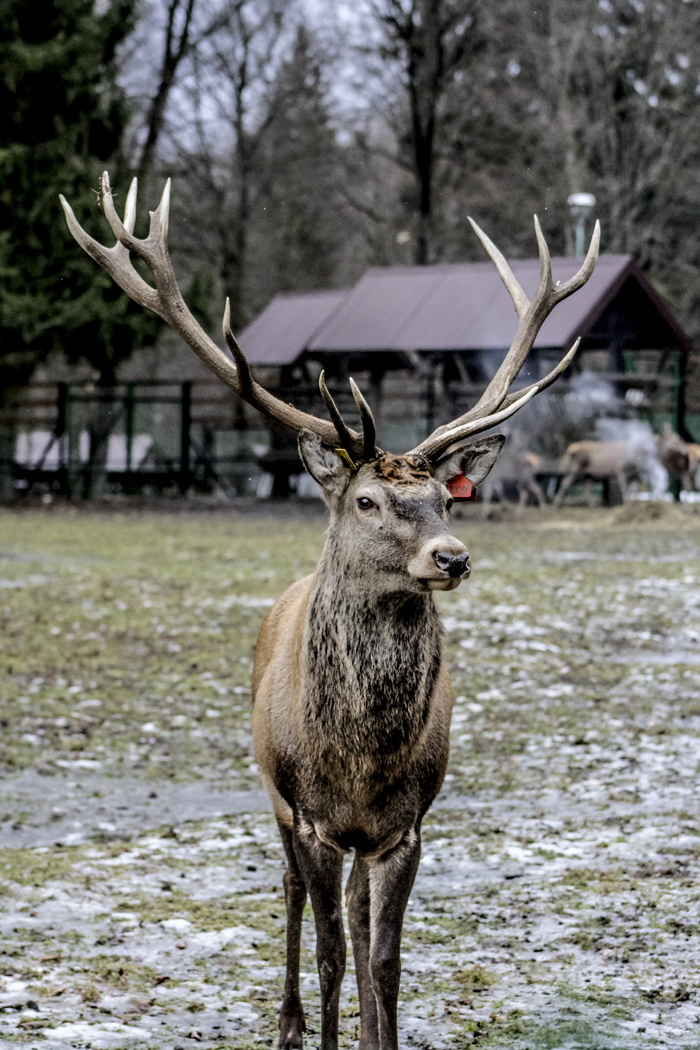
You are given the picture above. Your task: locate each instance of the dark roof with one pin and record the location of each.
(285, 327)
(463, 306)
(451, 307)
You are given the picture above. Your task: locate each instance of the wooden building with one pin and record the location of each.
(435, 335)
(421, 341)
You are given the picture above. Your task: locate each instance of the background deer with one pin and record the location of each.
(635, 457)
(680, 458)
(516, 468)
(352, 700)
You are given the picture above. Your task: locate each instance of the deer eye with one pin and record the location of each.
(364, 503)
(448, 505)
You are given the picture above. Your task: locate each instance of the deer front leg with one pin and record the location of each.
(292, 1024)
(566, 484)
(622, 482)
(390, 881)
(357, 896)
(536, 490)
(322, 870)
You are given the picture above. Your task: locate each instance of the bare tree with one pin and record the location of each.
(423, 45)
(176, 46)
(215, 135)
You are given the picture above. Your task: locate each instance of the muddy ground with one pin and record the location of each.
(558, 901)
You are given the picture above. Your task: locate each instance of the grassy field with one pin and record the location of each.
(557, 904)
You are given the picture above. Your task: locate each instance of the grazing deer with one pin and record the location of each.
(627, 460)
(352, 700)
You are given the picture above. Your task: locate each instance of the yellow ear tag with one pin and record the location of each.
(346, 458)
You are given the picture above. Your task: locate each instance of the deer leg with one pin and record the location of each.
(566, 484)
(390, 881)
(291, 1022)
(322, 870)
(357, 896)
(523, 493)
(536, 490)
(622, 482)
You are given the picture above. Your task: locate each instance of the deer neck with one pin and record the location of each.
(372, 659)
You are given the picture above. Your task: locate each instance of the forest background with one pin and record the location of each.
(308, 141)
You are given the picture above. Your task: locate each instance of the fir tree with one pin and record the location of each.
(297, 206)
(61, 119)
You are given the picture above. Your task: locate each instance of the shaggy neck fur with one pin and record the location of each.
(372, 661)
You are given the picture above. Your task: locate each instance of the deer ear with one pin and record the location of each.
(474, 459)
(324, 464)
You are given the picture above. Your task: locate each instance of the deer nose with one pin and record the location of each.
(455, 565)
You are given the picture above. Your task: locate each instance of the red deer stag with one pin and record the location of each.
(352, 700)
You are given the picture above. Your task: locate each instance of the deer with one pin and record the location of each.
(693, 467)
(626, 460)
(518, 468)
(351, 694)
(680, 458)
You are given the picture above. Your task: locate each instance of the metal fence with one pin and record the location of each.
(81, 440)
(78, 439)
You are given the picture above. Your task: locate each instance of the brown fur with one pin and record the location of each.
(402, 470)
(518, 467)
(598, 460)
(352, 707)
(693, 466)
(680, 458)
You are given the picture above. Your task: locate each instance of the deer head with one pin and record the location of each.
(389, 515)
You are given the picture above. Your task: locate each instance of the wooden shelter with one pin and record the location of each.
(421, 341)
(443, 331)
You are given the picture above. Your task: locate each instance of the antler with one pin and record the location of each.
(165, 299)
(496, 403)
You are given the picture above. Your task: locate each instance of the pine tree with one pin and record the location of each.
(297, 236)
(61, 119)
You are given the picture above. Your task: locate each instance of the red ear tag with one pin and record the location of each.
(461, 488)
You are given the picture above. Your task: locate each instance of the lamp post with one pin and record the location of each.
(580, 206)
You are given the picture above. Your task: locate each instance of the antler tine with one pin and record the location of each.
(369, 429)
(165, 299)
(542, 384)
(123, 231)
(454, 433)
(518, 296)
(160, 218)
(130, 207)
(546, 284)
(348, 439)
(245, 376)
(587, 267)
(115, 261)
(532, 315)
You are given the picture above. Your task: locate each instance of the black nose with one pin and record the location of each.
(455, 565)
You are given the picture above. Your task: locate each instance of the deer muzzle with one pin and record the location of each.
(441, 564)
(455, 565)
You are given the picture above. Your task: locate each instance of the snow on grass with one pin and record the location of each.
(557, 901)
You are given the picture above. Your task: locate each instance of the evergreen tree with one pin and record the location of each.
(296, 232)
(61, 119)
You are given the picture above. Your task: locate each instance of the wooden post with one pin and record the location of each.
(185, 427)
(129, 406)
